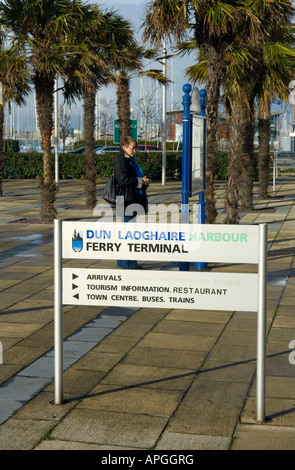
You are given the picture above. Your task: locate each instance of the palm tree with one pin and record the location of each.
(14, 79)
(276, 69)
(84, 73)
(106, 37)
(248, 64)
(277, 72)
(113, 52)
(39, 30)
(264, 119)
(214, 25)
(123, 77)
(123, 103)
(240, 93)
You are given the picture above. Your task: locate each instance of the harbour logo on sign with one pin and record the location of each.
(77, 241)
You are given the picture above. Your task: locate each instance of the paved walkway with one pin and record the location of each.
(148, 379)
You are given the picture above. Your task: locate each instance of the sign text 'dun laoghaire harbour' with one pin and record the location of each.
(168, 242)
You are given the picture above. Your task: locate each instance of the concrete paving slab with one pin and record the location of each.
(285, 309)
(197, 329)
(187, 442)
(98, 361)
(261, 437)
(280, 412)
(110, 428)
(279, 334)
(165, 358)
(7, 371)
(117, 343)
(22, 434)
(207, 316)
(22, 355)
(42, 407)
(204, 419)
(284, 321)
(227, 371)
(149, 353)
(92, 334)
(42, 367)
(179, 342)
(80, 446)
(277, 387)
(277, 360)
(234, 353)
(77, 383)
(133, 400)
(21, 389)
(288, 301)
(18, 330)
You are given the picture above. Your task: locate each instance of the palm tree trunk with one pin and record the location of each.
(1, 147)
(213, 91)
(90, 163)
(245, 182)
(123, 103)
(44, 100)
(264, 137)
(234, 170)
(240, 162)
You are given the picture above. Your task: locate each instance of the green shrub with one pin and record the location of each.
(71, 165)
(10, 145)
(30, 165)
(223, 164)
(23, 165)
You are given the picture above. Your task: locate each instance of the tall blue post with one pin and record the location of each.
(201, 203)
(186, 140)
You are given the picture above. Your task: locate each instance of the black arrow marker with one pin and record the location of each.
(76, 296)
(74, 276)
(74, 286)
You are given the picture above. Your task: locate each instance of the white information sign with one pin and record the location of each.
(155, 242)
(282, 162)
(183, 289)
(160, 289)
(197, 153)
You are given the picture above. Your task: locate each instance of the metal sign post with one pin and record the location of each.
(58, 320)
(261, 324)
(78, 240)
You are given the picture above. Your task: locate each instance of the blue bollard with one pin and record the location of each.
(186, 139)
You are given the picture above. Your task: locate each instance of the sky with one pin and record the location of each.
(134, 12)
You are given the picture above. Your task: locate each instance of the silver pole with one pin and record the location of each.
(164, 120)
(58, 320)
(56, 130)
(261, 324)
